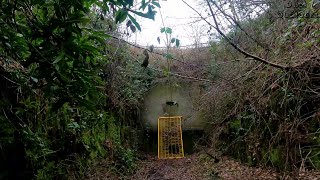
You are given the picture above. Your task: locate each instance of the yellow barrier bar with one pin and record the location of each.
(181, 141)
(158, 138)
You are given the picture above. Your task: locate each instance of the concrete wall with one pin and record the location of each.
(184, 94)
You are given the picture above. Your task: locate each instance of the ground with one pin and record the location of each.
(200, 166)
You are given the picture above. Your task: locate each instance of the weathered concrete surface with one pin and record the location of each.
(183, 94)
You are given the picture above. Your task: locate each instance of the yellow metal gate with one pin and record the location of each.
(170, 144)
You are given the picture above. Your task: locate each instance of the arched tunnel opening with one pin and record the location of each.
(164, 100)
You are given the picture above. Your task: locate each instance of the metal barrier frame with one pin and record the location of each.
(171, 127)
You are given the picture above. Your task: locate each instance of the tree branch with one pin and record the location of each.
(240, 27)
(216, 27)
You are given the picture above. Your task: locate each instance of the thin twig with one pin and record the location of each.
(230, 42)
(240, 27)
(10, 80)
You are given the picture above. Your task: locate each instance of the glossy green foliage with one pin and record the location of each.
(54, 113)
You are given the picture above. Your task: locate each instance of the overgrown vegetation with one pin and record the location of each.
(61, 109)
(71, 90)
(265, 115)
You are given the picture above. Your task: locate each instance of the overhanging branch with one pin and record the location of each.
(247, 54)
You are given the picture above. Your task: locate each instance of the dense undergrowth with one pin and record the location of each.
(70, 94)
(262, 115)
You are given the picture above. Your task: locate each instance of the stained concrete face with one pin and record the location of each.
(176, 100)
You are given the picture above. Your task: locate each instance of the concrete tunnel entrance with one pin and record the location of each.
(180, 99)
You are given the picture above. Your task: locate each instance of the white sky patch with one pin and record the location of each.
(185, 25)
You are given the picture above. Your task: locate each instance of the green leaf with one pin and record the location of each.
(150, 12)
(19, 35)
(130, 2)
(156, 3)
(168, 56)
(34, 79)
(162, 30)
(105, 7)
(143, 4)
(177, 42)
(173, 40)
(134, 22)
(59, 58)
(73, 125)
(7, 44)
(121, 15)
(166, 72)
(145, 15)
(168, 30)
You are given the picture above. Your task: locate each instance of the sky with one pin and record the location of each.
(177, 16)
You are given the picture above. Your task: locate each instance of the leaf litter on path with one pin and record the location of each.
(200, 166)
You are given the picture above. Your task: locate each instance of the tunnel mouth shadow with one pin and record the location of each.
(191, 140)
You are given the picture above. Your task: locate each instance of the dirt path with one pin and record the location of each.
(171, 169)
(202, 167)
(199, 166)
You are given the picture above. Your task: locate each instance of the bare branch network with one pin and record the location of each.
(217, 27)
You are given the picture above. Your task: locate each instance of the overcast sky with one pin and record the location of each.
(177, 16)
